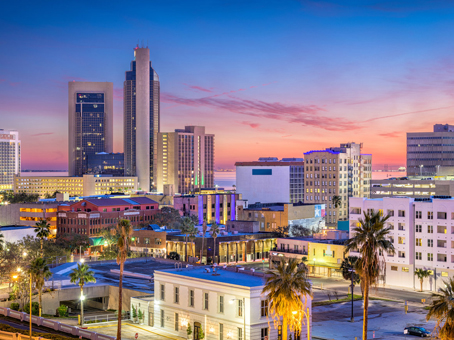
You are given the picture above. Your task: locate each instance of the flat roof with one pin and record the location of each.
(12, 227)
(275, 163)
(225, 276)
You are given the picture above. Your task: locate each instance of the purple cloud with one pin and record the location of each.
(42, 134)
(199, 88)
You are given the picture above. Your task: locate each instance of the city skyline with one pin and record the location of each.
(309, 75)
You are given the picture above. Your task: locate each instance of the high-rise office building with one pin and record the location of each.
(431, 153)
(340, 172)
(90, 123)
(185, 160)
(9, 158)
(141, 119)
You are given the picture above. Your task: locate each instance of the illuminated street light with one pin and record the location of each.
(82, 260)
(307, 321)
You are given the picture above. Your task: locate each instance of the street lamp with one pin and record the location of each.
(352, 273)
(82, 260)
(306, 313)
(243, 310)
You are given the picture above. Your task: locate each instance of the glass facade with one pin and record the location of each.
(106, 163)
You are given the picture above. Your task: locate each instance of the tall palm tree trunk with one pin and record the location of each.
(201, 250)
(120, 300)
(366, 307)
(41, 241)
(81, 306)
(214, 254)
(420, 280)
(186, 249)
(40, 297)
(284, 328)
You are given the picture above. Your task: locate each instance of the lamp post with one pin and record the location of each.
(352, 273)
(243, 310)
(306, 313)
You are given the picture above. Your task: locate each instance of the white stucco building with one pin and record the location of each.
(225, 305)
(422, 234)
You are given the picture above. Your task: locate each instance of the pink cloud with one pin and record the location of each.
(2, 80)
(395, 134)
(198, 88)
(14, 84)
(118, 94)
(42, 134)
(252, 125)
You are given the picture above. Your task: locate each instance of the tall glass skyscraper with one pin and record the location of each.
(9, 158)
(90, 123)
(141, 119)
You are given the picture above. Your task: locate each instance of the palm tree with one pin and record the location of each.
(337, 201)
(214, 234)
(286, 290)
(82, 275)
(370, 239)
(193, 231)
(204, 230)
(2, 241)
(349, 269)
(42, 230)
(442, 309)
(40, 272)
(186, 225)
(124, 231)
(422, 274)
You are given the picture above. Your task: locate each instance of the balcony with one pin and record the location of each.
(293, 251)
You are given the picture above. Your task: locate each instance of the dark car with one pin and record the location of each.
(418, 331)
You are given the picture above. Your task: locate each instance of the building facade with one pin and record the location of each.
(90, 216)
(340, 172)
(431, 153)
(218, 208)
(271, 180)
(90, 123)
(275, 215)
(87, 185)
(141, 119)
(104, 163)
(10, 158)
(186, 160)
(224, 305)
(414, 187)
(422, 235)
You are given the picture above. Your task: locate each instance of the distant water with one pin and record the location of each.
(44, 173)
(387, 174)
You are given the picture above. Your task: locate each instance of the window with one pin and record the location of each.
(401, 213)
(430, 215)
(191, 298)
(430, 243)
(394, 268)
(419, 214)
(430, 229)
(221, 304)
(264, 308)
(418, 242)
(147, 240)
(390, 212)
(240, 308)
(221, 331)
(157, 241)
(419, 228)
(176, 322)
(177, 295)
(264, 334)
(444, 274)
(441, 215)
(205, 301)
(418, 255)
(162, 318)
(240, 333)
(163, 291)
(401, 240)
(405, 269)
(430, 257)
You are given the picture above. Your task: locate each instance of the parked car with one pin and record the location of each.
(418, 331)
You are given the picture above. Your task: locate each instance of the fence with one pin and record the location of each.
(104, 318)
(55, 325)
(17, 336)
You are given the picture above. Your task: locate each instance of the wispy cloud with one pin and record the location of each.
(14, 84)
(408, 113)
(252, 125)
(307, 115)
(42, 134)
(199, 88)
(2, 80)
(118, 94)
(395, 134)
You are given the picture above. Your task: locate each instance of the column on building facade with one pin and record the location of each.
(263, 250)
(253, 250)
(245, 250)
(236, 252)
(228, 253)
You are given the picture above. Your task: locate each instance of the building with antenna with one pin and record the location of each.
(141, 119)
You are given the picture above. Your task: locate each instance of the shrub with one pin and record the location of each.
(173, 255)
(35, 308)
(15, 306)
(62, 311)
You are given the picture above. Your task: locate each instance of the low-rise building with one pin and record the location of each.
(275, 215)
(90, 216)
(74, 186)
(224, 304)
(149, 241)
(411, 187)
(218, 208)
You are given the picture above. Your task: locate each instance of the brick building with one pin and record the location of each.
(90, 216)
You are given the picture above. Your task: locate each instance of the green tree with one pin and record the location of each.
(82, 275)
(422, 274)
(214, 234)
(442, 309)
(168, 217)
(109, 237)
(73, 242)
(349, 269)
(173, 255)
(370, 239)
(337, 201)
(124, 232)
(187, 225)
(42, 230)
(282, 231)
(40, 272)
(286, 290)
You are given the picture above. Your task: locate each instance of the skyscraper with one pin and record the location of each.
(185, 160)
(431, 153)
(90, 123)
(141, 119)
(9, 158)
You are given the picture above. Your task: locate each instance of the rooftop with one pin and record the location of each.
(225, 276)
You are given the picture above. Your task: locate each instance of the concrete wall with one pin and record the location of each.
(9, 214)
(243, 226)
